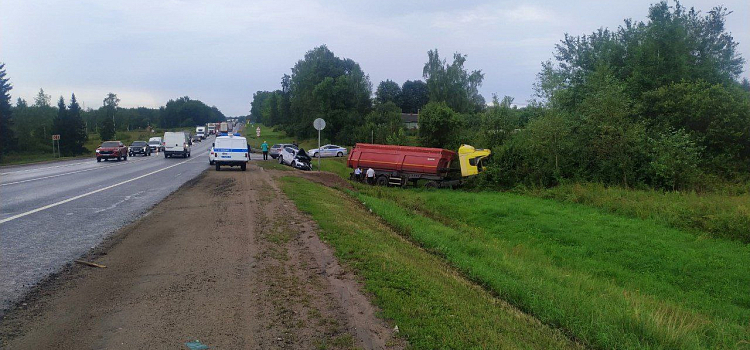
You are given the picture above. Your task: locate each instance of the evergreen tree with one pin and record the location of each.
(76, 128)
(42, 99)
(59, 124)
(7, 137)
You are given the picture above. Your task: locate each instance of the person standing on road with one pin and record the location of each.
(370, 176)
(264, 148)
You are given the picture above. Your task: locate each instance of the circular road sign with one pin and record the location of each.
(319, 124)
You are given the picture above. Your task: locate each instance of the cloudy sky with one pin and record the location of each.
(222, 51)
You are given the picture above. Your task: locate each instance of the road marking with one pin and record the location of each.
(17, 216)
(72, 172)
(36, 169)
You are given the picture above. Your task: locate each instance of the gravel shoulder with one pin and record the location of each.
(227, 260)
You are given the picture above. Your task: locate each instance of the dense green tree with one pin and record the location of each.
(439, 126)
(498, 122)
(715, 116)
(414, 95)
(7, 136)
(453, 84)
(382, 125)
(329, 87)
(107, 129)
(388, 91)
(76, 128)
(21, 103)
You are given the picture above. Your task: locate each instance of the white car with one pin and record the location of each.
(328, 151)
(296, 158)
(230, 150)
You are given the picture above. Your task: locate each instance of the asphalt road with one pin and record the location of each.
(52, 213)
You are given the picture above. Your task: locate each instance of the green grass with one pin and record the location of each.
(433, 306)
(273, 137)
(610, 281)
(718, 214)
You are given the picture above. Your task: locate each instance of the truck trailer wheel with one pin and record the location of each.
(431, 185)
(382, 180)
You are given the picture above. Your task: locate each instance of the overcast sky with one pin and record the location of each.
(222, 51)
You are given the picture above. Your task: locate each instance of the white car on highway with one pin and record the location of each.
(328, 151)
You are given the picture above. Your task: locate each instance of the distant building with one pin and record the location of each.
(410, 120)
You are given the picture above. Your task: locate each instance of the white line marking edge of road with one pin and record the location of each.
(17, 216)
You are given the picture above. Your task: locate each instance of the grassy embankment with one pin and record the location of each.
(273, 137)
(604, 279)
(433, 306)
(723, 215)
(607, 280)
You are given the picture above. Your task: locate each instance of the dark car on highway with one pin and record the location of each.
(139, 147)
(112, 150)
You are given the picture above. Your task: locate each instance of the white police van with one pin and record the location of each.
(229, 150)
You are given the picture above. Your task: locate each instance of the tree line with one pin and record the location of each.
(28, 128)
(657, 103)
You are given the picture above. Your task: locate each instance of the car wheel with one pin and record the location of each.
(243, 166)
(98, 160)
(281, 160)
(340, 154)
(218, 167)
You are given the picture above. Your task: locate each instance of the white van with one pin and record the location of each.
(200, 131)
(231, 150)
(176, 143)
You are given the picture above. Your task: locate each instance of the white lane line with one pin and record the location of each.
(37, 169)
(17, 216)
(72, 172)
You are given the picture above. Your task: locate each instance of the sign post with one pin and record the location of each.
(56, 138)
(257, 132)
(319, 124)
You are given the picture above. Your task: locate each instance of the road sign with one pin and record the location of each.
(56, 137)
(257, 132)
(319, 124)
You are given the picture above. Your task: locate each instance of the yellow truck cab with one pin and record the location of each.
(470, 159)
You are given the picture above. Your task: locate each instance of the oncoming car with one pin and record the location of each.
(111, 150)
(328, 151)
(139, 147)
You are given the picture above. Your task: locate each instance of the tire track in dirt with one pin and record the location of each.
(227, 260)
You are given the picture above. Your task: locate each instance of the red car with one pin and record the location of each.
(111, 150)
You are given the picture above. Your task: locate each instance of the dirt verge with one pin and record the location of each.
(226, 260)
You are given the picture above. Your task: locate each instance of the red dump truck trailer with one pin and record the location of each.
(399, 165)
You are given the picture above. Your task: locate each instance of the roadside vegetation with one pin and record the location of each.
(432, 305)
(607, 280)
(27, 129)
(724, 214)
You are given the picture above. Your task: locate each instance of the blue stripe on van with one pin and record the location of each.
(243, 150)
